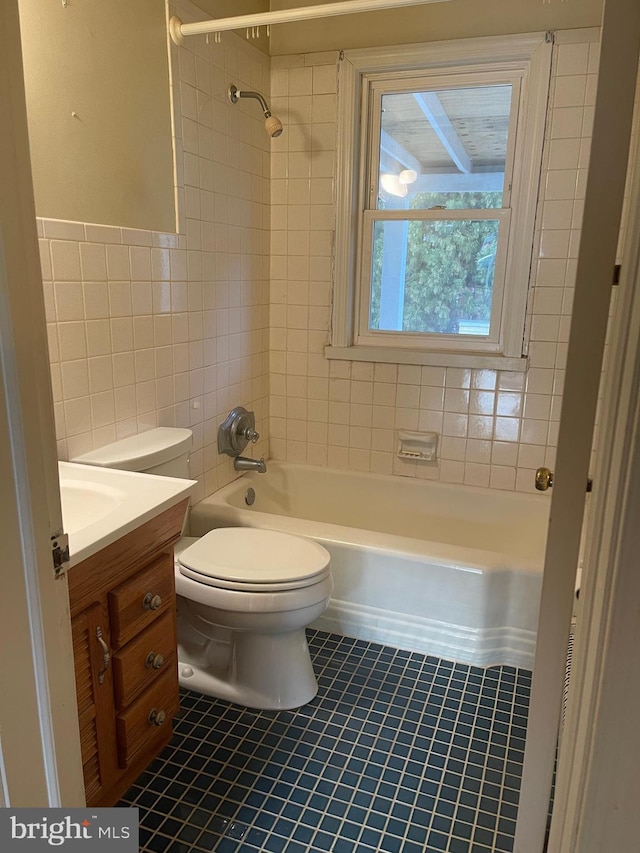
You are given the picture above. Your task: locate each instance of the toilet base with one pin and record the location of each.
(262, 671)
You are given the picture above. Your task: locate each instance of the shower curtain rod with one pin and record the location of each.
(178, 30)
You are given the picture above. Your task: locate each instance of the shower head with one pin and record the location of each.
(272, 124)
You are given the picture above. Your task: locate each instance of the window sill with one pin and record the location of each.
(393, 355)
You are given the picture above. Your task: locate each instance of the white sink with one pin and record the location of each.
(99, 505)
(86, 503)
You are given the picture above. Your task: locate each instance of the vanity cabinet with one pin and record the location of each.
(124, 643)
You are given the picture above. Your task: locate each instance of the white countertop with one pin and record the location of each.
(100, 505)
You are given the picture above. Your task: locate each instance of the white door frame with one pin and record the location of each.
(600, 231)
(598, 788)
(40, 762)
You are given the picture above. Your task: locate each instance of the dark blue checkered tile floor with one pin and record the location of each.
(399, 752)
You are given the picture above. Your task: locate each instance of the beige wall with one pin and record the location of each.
(457, 19)
(229, 8)
(107, 62)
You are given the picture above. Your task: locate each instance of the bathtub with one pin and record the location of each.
(446, 570)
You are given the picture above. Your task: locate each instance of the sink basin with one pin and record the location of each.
(87, 503)
(99, 505)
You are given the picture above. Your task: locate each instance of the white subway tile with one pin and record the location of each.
(93, 262)
(455, 425)
(480, 426)
(569, 91)
(502, 477)
(100, 374)
(75, 379)
(140, 263)
(77, 414)
(537, 406)
(481, 402)
(68, 300)
(118, 263)
(120, 299)
(564, 153)
(476, 474)
(61, 229)
(73, 343)
(451, 471)
(78, 445)
(504, 454)
(102, 409)
(506, 429)
(566, 122)
(572, 59)
(65, 261)
(456, 400)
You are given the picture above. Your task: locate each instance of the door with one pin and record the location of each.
(39, 749)
(602, 214)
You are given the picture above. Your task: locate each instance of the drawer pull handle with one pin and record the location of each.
(156, 718)
(106, 657)
(151, 601)
(154, 661)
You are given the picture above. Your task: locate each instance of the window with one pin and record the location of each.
(437, 180)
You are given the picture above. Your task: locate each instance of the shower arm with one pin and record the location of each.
(235, 94)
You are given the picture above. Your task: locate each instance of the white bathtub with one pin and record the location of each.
(452, 571)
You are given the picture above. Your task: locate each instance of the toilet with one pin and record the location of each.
(244, 595)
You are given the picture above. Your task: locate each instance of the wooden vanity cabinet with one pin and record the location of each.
(124, 644)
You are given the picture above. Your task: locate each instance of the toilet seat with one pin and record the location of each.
(254, 560)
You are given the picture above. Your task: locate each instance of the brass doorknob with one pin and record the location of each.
(544, 479)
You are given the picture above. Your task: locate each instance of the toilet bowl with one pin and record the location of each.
(244, 595)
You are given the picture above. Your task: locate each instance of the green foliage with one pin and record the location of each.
(449, 266)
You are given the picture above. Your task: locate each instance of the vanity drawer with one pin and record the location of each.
(145, 658)
(140, 601)
(148, 720)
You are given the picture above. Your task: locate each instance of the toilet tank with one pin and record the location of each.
(163, 451)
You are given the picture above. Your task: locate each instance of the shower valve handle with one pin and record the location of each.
(236, 431)
(251, 435)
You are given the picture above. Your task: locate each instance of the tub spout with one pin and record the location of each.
(243, 463)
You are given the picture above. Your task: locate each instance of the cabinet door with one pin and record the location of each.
(94, 689)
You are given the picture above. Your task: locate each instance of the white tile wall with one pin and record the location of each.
(151, 328)
(496, 427)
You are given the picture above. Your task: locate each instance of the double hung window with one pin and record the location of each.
(435, 235)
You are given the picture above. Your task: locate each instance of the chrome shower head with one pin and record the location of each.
(272, 124)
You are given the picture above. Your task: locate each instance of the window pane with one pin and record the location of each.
(433, 276)
(444, 148)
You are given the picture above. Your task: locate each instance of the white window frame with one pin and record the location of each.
(526, 58)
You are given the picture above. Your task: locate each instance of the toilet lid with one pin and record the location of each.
(243, 556)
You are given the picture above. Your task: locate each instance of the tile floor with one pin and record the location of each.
(399, 752)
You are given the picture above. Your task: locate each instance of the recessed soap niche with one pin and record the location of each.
(417, 446)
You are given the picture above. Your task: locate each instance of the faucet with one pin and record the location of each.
(237, 430)
(243, 463)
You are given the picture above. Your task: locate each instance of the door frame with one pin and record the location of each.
(620, 42)
(597, 778)
(40, 759)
